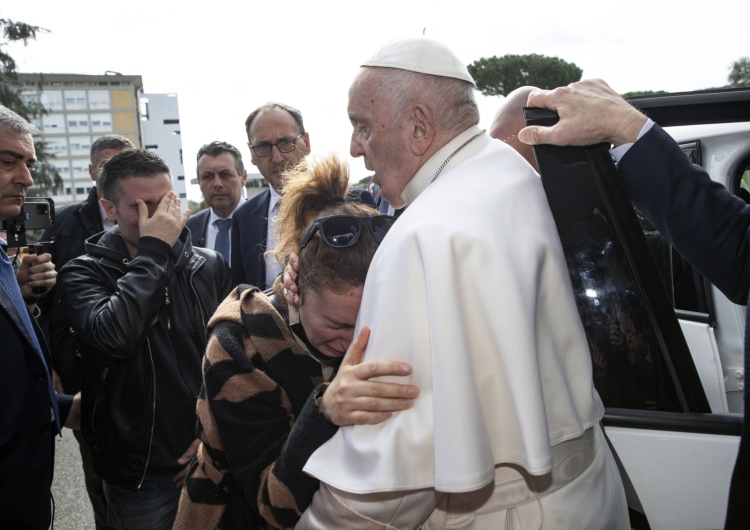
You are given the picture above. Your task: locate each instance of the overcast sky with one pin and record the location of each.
(224, 58)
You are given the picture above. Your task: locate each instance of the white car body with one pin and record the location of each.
(677, 478)
(676, 459)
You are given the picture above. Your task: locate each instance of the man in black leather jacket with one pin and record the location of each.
(139, 300)
(73, 225)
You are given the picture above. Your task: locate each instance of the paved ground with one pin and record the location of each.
(72, 507)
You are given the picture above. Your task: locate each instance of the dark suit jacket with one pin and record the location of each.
(26, 431)
(249, 230)
(710, 227)
(198, 225)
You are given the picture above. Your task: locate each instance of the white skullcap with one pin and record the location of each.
(422, 55)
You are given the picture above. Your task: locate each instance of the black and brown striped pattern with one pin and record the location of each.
(258, 422)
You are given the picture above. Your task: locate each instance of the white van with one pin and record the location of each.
(667, 346)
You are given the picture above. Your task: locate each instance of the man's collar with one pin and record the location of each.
(275, 197)
(212, 217)
(443, 159)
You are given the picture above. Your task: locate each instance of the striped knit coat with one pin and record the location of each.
(257, 420)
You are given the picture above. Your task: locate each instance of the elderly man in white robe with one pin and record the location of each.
(470, 287)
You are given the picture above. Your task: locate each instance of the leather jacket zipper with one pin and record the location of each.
(153, 413)
(166, 305)
(99, 394)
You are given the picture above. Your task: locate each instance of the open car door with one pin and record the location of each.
(667, 415)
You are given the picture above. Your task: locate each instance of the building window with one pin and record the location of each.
(30, 98)
(152, 147)
(171, 122)
(80, 190)
(78, 123)
(183, 195)
(80, 145)
(181, 177)
(80, 168)
(53, 123)
(144, 109)
(101, 122)
(99, 99)
(58, 146)
(52, 99)
(75, 99)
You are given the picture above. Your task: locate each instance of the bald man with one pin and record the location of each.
(510, 119)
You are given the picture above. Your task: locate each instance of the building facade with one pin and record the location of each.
(81, 108)
(160, 123)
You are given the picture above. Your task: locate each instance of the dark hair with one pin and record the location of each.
(129, 163)
(296, 114)
(215, 148)
(109, 141)
(315, 189)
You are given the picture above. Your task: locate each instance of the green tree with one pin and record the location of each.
(501, 75)
(46, 178)
(739, 75)
(363, 182)
(643, 93)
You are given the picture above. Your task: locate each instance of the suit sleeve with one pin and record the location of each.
(703, 220)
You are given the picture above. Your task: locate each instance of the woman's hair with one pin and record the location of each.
(317, 188)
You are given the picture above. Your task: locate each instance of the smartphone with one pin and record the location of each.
(37, 213)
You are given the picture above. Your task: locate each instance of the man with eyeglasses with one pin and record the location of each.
(470, 287)
(277, 140)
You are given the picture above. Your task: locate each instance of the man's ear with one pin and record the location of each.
(109, 209)
(423, 132)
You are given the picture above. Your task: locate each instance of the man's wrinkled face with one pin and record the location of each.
(220, 182)
(150, 190)
(17, 159)
(270, 126)
(380, 135)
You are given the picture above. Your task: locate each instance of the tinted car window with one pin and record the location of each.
(639, 356)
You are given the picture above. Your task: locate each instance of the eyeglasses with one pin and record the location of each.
(284, 145)
(342, 231)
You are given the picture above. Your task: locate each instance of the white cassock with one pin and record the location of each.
(470, 287)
